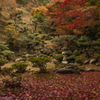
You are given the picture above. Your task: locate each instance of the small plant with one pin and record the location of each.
(78, 59)
(76, 53)
(35, 34)
(20, 67)
(23, 59)
(8, 54)
(58, 57)
(14, 79)
(72, 57)
(2, 62)
(40, 61)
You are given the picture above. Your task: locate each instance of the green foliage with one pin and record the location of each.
(20, 67)
(69, 53)
(3, 61)
(93, 2)
(22, 1)
(3, 46)
(78, 59)
(84, 44)
(72, 57)
(40, 31)
(76, 53)
(35, 34)
(58, 57)
(36, 42)
(7, 52)
(43, 36)
(37, 38)
(41, 55)
(38, 17)
(23, 59)
(40, 62)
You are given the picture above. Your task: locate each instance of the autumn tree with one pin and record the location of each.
(69, 19)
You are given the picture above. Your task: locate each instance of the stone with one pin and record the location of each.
(97, 64)
(90, 69)
(18, 59)
(86, 62)
(65, 62)
(54, 61)
(64, 57)
(70, 68)
(64, 48)
(27, 55)
(64, 53)
(93, 61)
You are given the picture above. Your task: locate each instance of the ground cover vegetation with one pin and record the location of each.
(50, 27)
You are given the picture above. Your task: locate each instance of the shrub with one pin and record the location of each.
(58, 57)
(41, 55)
(43, 36)
(20, 67)
(2, 62)
(76, 53)
(78, 59)
(40, 31)
(40, 61)
(3, 46)
(37, 38)
(69, 53)
(23, 59)
(72, 57)
(35, 34)
(36, 42)
(7, 52)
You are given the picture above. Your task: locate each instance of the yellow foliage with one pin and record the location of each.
(39, 11)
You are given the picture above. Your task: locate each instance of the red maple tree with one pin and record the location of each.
(72, 16)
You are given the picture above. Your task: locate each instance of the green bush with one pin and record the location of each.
(72, 57)
(43, 36)
(35, 34)
(40, 62)
(78, 59)
(37, 38)
(58, 57)
(69, 53)
(7, 52)
(76, 52)
(41, 55)
(3, 46)
(2, 62)
(23, 59)
(40, 31)
(20, 67)
(36, 42)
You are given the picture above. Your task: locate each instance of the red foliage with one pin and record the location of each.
(72, 14)
(58, 87)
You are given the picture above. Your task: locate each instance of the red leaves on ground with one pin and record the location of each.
(59, 87)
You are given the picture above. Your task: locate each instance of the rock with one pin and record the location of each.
(70, 68)
(86, 62)
(65, 62)
(97, 64)
(90, 69)
(27, 55)
(93, 61)
(54, 61)
(18, 60)
(64, 53)
(64, 71)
